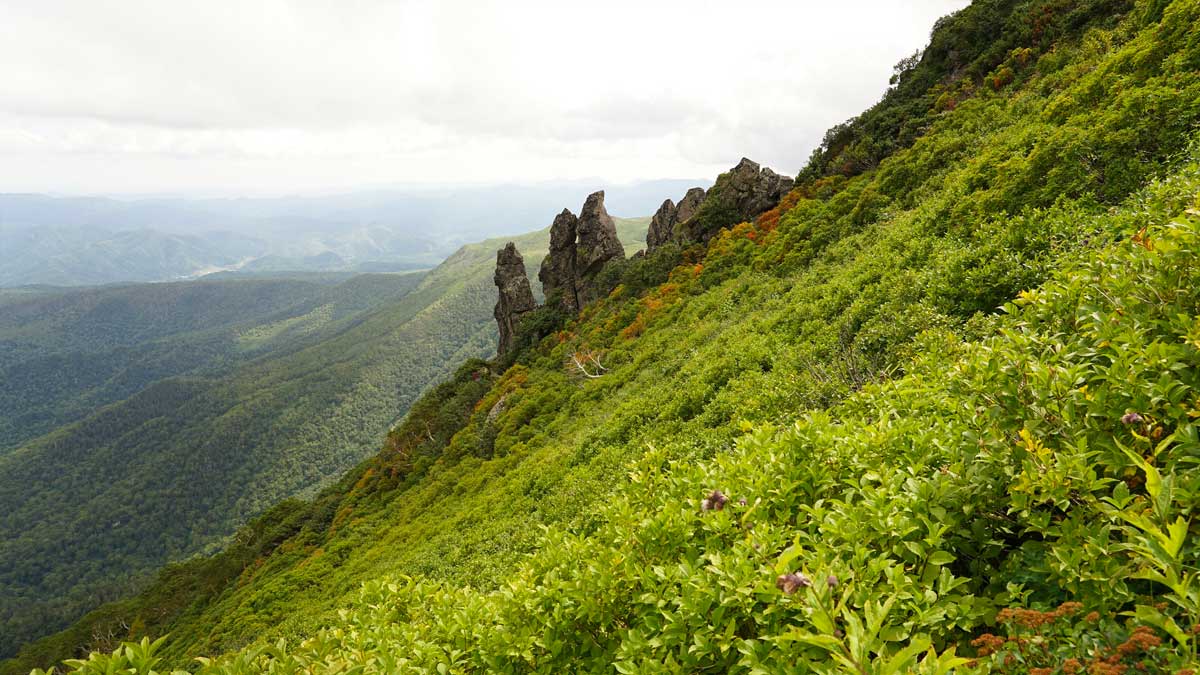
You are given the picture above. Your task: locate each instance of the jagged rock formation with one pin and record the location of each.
(740, 194)
(689, 204)
(579, 248)
(557, 273)
(595, 245)
(753, 189)
(662, 225)
(516, 297)
(597, 241)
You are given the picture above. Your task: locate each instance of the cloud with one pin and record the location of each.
(278, 95)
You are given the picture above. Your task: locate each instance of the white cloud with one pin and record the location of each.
(276, 95)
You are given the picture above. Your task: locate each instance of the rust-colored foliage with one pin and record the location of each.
(635, 328)
(1047, 642)
(768, 221)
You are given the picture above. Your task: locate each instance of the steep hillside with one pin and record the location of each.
(90, 509)
(943, 394)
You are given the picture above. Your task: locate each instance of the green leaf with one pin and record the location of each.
(1157, 619)
(941, 558)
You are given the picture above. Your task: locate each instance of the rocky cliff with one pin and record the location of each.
(740, 194)
(596, 243)
(581, 246)
(516, 297)
(663, 224)
(558, 272)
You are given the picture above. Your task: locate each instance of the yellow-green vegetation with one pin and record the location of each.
(305, 323)
(943, 395)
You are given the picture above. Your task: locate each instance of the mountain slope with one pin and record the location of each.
(920, 470)
(67, 352)
(173, 469)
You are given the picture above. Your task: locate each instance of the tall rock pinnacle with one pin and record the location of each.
(557, 274)
(597, 243)
(516, 297)
(662, 226)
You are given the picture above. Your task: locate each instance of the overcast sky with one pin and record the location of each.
(270, 96)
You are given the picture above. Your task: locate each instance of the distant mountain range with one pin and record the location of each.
(71, 241)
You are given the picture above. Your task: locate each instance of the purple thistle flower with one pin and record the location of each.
(714, 502)
(1131, 418)
(831, 581)
(790, 583)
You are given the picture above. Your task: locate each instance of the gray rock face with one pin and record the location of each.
(754, 190)
(597, 241)
(662, 225)
(516, 297)
(558, 272)
(689, 205)
(740, 194)
(579, 248)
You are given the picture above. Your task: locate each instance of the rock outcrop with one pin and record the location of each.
(558, 272)
(740, 194)
(596, 243)
(663, 224)
(516, 296)
(579, 248)
(754, 190)
(689, 204)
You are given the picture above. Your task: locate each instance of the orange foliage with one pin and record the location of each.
(768, 221)
(1028, 643)
(634, 329)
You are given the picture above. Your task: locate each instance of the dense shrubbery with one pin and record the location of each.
(1049, 464)
(904, 473)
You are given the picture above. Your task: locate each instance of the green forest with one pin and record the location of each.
(65, 352)
(936, 411)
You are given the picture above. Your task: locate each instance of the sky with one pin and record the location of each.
(289, 97)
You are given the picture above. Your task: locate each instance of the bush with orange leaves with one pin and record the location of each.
(1066, 641)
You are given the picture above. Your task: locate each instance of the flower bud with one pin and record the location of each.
(790, 583)
(714, 501)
